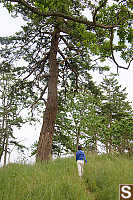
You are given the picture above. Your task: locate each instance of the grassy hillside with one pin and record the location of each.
(104, 174)
(58, 180)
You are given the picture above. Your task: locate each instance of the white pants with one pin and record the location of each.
(80, 164)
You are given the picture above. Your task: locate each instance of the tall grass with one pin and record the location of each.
(104, 174)
(58, 180)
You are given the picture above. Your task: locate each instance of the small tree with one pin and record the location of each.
(9, 112)
(122, 135)
(78, 118)
(115, 108)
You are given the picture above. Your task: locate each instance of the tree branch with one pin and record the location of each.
(112, 53)
(97, 9)
(71, 47)
(70, 67)
(62, 15)
(36, 65)
(41, 97)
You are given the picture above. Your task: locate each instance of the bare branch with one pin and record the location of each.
(70, 46)
(64, 58)
(70, 67)
(41, 97)
(36, 65)
(112, 53)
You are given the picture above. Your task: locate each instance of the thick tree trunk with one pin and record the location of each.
(46, 134)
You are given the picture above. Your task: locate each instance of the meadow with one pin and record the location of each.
(58, 179)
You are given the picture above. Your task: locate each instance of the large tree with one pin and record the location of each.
(59, 42)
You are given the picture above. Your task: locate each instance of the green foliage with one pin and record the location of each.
(92, 115)
(123, 134)
(118, 114)
(78, 119)
(94, 39)
(53, 5)
(9, 112)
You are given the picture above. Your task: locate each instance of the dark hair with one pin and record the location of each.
(79, 147)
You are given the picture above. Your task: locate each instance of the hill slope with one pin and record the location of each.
(58, 180)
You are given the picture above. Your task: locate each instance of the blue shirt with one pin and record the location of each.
(80, 155)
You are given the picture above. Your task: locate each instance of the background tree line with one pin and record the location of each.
(102, 114)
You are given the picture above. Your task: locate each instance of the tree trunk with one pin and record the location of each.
(4, 120)
(6, 150)
(95, 142)
(77, 137)
(46, 135)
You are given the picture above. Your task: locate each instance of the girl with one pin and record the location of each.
(80, 158)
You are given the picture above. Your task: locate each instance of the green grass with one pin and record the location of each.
(104, 174)
(58, 180)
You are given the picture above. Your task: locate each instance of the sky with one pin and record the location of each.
(29, 134)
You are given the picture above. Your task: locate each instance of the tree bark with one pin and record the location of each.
(6, 150)
(46, 135)
(77, 137)
(4, 119)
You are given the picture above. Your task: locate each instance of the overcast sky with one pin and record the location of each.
(27, 134)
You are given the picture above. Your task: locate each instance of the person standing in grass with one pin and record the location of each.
(80, 158)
